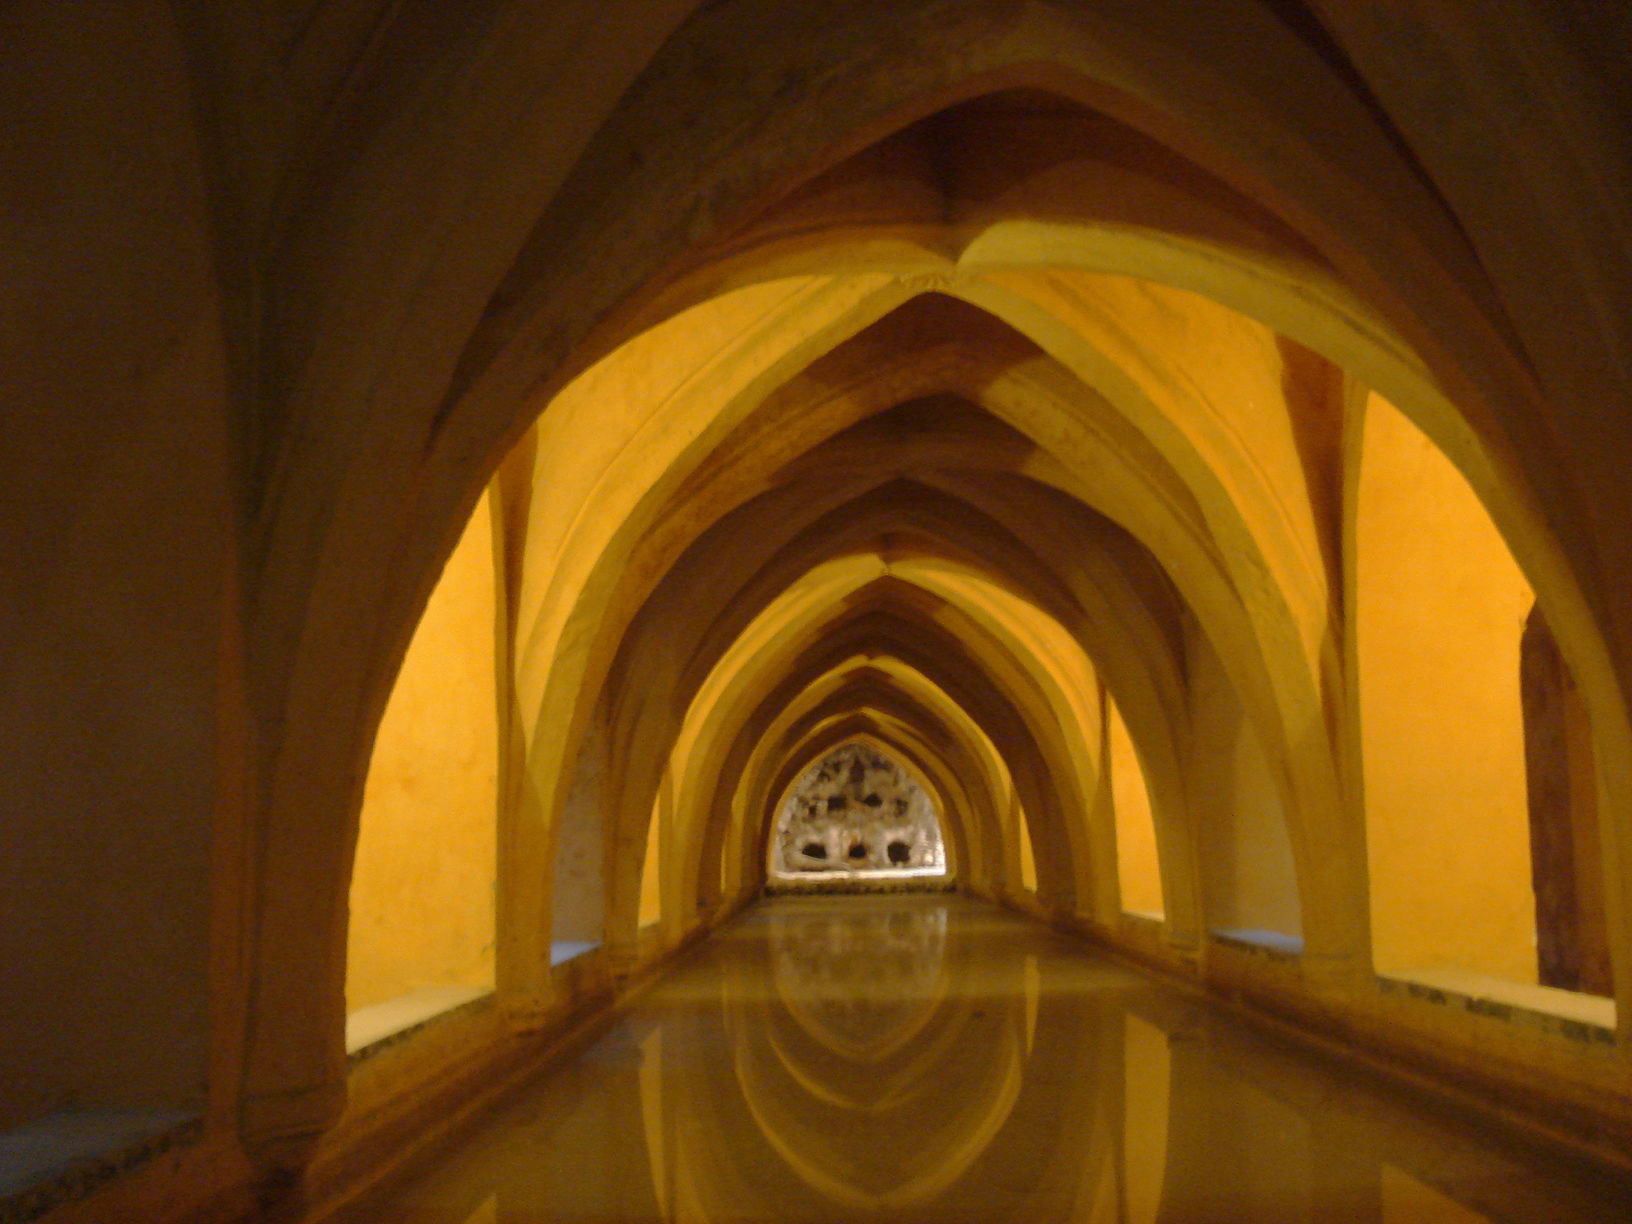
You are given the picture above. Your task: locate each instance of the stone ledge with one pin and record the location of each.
(68, 1155)
(371, 1029)
(1561, 1013)
(564, 950)
(878, 882)
(1271, 944)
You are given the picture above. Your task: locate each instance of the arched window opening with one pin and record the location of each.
(651, 871)
(1028, 856)
(422, 924)
(1479, 785)
(1138, 871)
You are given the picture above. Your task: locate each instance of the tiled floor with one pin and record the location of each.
(932, 1059)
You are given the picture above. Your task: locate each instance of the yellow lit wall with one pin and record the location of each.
(651, 894)
(1136, 864)
(1028, 860)
(578, 900)
(1265, 878)
(422, 887)
(1248, 874)
(1440, 609)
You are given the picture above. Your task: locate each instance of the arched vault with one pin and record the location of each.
(801, 371)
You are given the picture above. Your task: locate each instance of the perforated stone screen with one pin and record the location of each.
(857, 812)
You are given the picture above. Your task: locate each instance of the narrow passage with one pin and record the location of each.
(935, 1059)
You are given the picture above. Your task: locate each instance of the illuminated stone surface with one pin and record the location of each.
(929, 1060)
(856, 799)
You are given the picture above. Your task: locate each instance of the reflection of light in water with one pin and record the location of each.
(876, 1077)
(1147, 1081)
(912, 1059)
(654, 1116)
(862, 982)
(1034, 989)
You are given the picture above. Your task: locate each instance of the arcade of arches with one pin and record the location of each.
(474, 470)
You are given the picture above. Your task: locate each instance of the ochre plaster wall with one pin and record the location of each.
(1441, 606)
(578, 898)
(422, 888)
(1245, 852)
(1136, 864)
(1265, 879)
(1028, 857)
(651, 871)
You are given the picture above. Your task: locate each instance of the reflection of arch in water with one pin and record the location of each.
(951, 1113)
(818, 1095)
(862, 984)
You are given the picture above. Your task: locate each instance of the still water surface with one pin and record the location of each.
(933, 1059)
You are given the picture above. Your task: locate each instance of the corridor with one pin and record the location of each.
(932, 1058)
(523, 511)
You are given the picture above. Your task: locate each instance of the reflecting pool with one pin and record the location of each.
(931, 1059)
